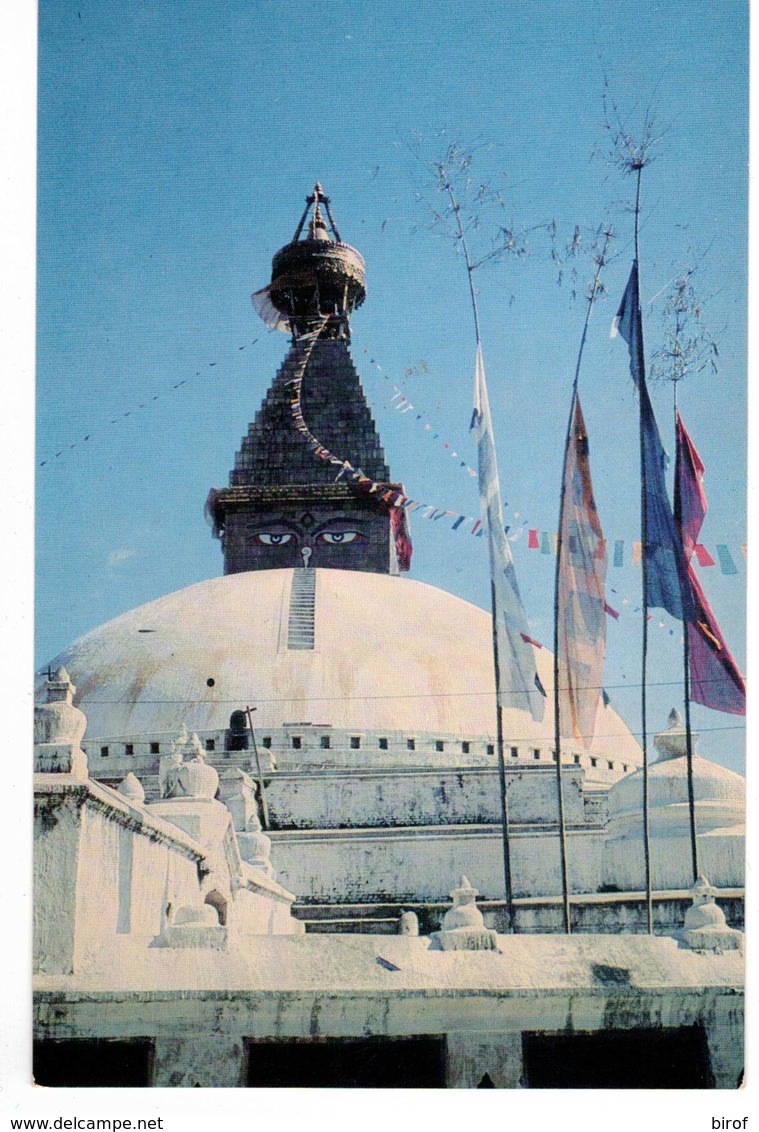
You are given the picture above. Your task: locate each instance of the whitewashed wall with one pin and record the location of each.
(126, 879)
(418, 865)
(56, 841)
(325, 800)
(200, 1038)
(100, 873)
(721, 858)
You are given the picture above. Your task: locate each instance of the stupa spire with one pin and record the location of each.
(284, 506)
(317, 280)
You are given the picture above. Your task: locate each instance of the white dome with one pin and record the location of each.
(389, 653)
(719, 794)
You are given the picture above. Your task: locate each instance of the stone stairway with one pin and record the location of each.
(300, 626)
(366, 919)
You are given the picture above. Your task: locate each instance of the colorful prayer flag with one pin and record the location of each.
(627, 321)
(666, 575)
(519, 685)
(702, 554)
(582, 576)
(715, 679)
(267, 312)
(726, 563)
(401, 538)
(690, 497)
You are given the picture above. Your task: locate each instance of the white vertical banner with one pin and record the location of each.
(519, 686)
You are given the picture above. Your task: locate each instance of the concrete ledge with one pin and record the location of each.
(257, 881)
(533, 966)
(118, 809)
(415, 832)
(193, 935)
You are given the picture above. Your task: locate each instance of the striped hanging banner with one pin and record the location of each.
(581, 624)
(716, 681)
(519, 686)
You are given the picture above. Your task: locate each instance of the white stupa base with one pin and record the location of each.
(721, 856)
(464, 939)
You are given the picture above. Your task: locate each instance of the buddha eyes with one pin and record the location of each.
(282, 538)
(270, 538)
(338, 538)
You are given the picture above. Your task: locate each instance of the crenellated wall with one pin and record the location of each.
(306, 746)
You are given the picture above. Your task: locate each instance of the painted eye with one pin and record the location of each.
(270, 538)
(338, 538)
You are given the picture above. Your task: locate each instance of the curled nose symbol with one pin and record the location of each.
(306, 553)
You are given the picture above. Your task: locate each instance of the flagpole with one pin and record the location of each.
(644, 574)
(508, 889)
(686, 668)
(556, 696)
(556, 603)
(507, 883)
(689, 755)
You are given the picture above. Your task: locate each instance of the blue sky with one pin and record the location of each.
(177, 143)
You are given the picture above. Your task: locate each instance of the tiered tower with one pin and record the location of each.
(284, 506)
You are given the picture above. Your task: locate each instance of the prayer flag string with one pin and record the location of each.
(135, 409)
(403, 405)
(390, 496)
(537, 539)
(467, 524)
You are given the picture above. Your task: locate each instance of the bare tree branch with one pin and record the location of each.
(687, 347)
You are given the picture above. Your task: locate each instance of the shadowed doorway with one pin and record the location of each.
(348, 1063)
(618, 1059)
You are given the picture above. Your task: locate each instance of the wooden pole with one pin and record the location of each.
(567, 912)
(686, 669)
(644, 578)
(504, 791)
(261, 786)
(557, 604)
(689, 756)
(507, 881)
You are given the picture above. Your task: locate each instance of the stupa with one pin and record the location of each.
(254, 798)
(373, 693)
